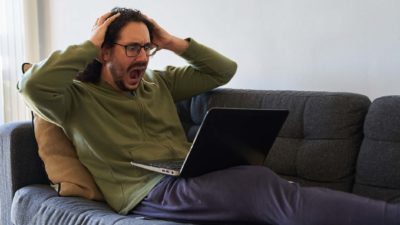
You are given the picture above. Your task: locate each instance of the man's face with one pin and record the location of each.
(123, 72)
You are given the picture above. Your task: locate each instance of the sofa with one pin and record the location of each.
(336, 140)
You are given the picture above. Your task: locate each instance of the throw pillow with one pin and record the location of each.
(68, 175)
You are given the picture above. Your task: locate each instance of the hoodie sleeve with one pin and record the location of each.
(208, 69)
(47, 86)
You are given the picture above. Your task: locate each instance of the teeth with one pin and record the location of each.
(135, 73)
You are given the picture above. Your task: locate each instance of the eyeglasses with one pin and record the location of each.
(133, 50)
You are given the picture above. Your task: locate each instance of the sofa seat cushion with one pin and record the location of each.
(40, 204)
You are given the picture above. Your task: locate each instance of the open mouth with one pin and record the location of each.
(135, 74)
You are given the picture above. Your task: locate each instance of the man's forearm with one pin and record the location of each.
(209, 69)
(44, 87)
(177, 45)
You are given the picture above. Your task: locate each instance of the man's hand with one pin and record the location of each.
(100, 27)
(165, 40)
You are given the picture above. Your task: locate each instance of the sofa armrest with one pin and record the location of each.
(20, 163)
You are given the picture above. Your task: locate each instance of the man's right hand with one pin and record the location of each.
(100, 27)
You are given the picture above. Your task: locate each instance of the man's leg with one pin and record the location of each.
(254, 194)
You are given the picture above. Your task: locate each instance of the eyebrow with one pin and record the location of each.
(137, 43)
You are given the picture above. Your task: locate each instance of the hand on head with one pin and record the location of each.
(100, 27)
(165, 40)
(161, 37)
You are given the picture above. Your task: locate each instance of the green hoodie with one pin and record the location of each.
(110, 128)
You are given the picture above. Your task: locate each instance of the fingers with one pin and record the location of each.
(105, 20)
(110, 19)
(147, 17)
(161, 37)
(151, 20)
(100, 27)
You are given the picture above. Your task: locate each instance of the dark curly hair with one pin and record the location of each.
(92, 71)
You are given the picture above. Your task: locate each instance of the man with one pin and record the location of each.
(117, 110)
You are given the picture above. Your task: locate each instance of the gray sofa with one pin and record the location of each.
(337, 140)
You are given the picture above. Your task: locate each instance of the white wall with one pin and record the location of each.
(329, 45)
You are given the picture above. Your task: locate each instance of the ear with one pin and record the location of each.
(105, 55)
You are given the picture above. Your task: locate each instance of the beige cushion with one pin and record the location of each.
(61, 162)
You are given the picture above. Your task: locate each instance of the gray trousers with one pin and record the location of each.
(255, 194)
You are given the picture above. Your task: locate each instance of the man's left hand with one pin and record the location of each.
(165, 40)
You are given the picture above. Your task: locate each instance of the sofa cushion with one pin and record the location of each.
(378, 167)
(61, 162)
(319, 141)
(39, 204)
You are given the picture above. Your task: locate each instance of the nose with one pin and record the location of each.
(142, 56)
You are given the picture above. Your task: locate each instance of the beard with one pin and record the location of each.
(120, 84)
(135, 70)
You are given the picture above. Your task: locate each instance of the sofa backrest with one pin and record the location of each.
(378, 164)
(318, 143)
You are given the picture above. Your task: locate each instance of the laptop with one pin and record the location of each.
(227, 137)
